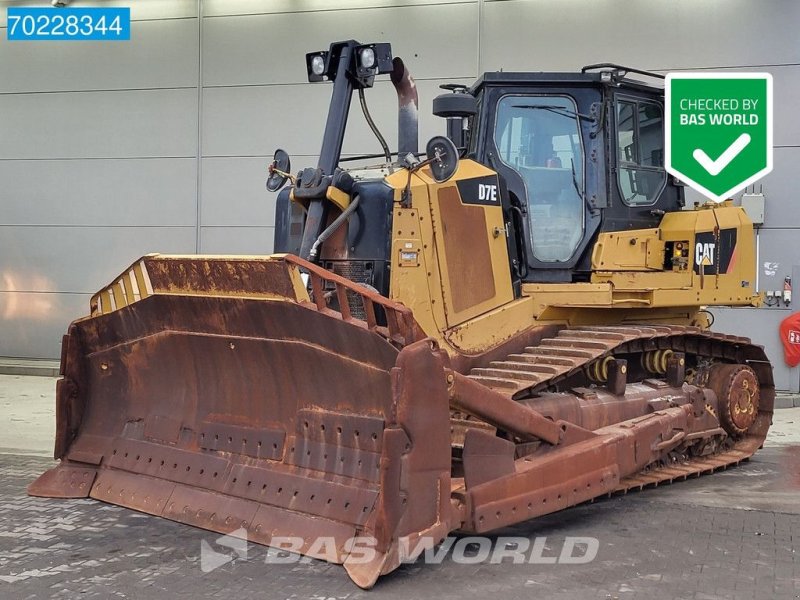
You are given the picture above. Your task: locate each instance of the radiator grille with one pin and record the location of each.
(358, 271)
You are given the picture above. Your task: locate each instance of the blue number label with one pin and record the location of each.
(109, 24)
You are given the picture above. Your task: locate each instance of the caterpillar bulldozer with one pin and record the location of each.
(504, 326)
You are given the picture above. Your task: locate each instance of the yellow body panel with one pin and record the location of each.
(338, 197)
(492, 328)
(462, 270)
(682, 285)
(646, 275)
(636, 250)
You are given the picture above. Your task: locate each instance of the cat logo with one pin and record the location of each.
(704, 254)
(715, 252)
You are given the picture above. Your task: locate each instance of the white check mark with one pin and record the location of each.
(714, 167)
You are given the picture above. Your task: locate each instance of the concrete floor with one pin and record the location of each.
(732, 535)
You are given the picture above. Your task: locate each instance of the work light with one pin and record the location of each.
(317, 65)
(373, 59)
(367, 58)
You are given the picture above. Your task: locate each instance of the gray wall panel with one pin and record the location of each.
(99, 192)
(235, 48)
(566, 34)
(80, 259)
(252, 7)
(140, 9)
(160, 54)
(781, 249)
(253, 121)
(31, 324)
(234, 192)
(780, 188)
(237, 240)
(99, 124)
(762, 327)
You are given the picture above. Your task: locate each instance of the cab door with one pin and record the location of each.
(544, 143)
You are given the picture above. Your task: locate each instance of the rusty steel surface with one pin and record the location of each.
(408, 107)
(401, 327)
(744, 385)
(287, 417)
(193, 275)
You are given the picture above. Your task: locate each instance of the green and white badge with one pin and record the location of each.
(719, 130)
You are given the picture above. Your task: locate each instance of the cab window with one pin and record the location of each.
(640, 151)
(539, 137)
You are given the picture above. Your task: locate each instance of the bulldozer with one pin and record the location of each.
(506, 325)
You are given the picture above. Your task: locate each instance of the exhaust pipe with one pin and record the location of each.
(408, 107)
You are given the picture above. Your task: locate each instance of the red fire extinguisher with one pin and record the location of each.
(790, 338)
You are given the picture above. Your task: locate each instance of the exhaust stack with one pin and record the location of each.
(408, 108)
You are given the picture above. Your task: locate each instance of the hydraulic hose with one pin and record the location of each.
(331, 229)
(372, 125)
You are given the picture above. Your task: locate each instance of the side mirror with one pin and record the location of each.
(278, 170)
(442, 158)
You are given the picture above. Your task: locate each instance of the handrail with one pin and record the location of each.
(401, 327)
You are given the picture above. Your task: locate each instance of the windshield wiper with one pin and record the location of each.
(558, 110)
(581, 193)
(575, 178)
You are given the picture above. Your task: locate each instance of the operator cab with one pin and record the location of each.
(549, 136)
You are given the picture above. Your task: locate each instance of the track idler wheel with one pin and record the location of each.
(738, 393)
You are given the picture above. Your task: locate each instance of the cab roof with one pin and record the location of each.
(597, 78)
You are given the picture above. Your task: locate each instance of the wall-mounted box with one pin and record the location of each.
(753, 205)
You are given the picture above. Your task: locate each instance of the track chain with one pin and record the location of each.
(555, 359)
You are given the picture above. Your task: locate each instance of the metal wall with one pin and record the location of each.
(111, 150)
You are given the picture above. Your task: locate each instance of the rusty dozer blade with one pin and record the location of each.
(253, 408)
(218, 392)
